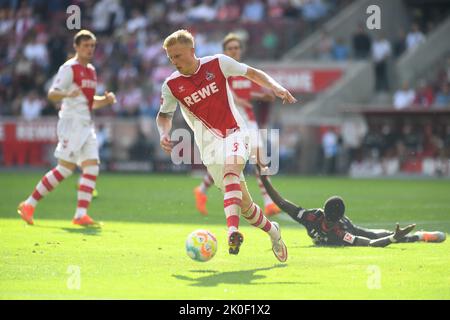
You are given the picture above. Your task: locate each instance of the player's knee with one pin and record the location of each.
(65, 171)
(91, 169)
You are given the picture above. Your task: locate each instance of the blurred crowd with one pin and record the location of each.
(34, 42)
(432, 93)
(414, 147)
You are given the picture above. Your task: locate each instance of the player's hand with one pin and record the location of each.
(284, 95)
(73, 93)
(262, 170)
(401, 233)
(110, 97)
(166, 144)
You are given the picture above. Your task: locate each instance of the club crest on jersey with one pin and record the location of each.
(181, 89)
(210, 76)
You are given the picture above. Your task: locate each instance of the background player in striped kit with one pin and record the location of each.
(244, 92)
(75, 86)
(200, 88)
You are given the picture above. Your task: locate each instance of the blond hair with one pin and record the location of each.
(231, 37)
(83, 35)
(180, 36)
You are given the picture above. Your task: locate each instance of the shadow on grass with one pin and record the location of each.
(245, 277)
(89, 231)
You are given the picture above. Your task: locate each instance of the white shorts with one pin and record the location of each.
(236, 144)
(77, 141)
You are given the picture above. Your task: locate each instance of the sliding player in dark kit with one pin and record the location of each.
(330, 227)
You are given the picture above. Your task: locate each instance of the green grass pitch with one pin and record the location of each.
(139, 252)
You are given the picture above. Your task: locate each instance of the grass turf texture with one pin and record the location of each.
(139, 253)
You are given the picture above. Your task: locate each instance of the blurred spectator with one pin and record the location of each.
(404, 97)
(205, 11)
(288, 147)
(31, 106)
(229, 11)
(411, 139)
(381, 51)
(340, 50)
(362, 43)
(414, 38)
(443, 96)
(36, 51)
(330, 151)
(400, 43)
(424, 95)
(24, 22)
(314, 10)
(104, 143)
(137, 22)
(6, 21)
(253, 11)
(270, 43)
(325, 46)
(106, 15)
(176, 15)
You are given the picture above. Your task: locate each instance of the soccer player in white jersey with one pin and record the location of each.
(245, 92)
(201, 89)
(75, 86)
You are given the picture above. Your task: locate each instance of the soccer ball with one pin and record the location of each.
(201, 245)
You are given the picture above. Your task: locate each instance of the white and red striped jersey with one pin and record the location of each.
(72, 75)
(205, 96)
(244, 88)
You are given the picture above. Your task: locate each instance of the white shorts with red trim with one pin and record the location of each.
(77, 141)
(220, 151)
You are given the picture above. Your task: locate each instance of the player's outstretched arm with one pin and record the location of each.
(266, 81)
(399, 234)
(164, 124)
(282, 203)
(55, 95)
(103, 101)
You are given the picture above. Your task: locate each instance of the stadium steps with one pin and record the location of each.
(414, 65)
(393, 16)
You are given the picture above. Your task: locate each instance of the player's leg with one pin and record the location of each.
(270, 208)
(253, 214)
(426, 236)
(232, 170)
(90, 170)
(257, 143)
(370, 233)
(200, 193)
(47, 184)
(89, 161)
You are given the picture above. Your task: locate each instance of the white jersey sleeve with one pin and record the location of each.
(231, 67)
(63, 79)
(168, 101)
